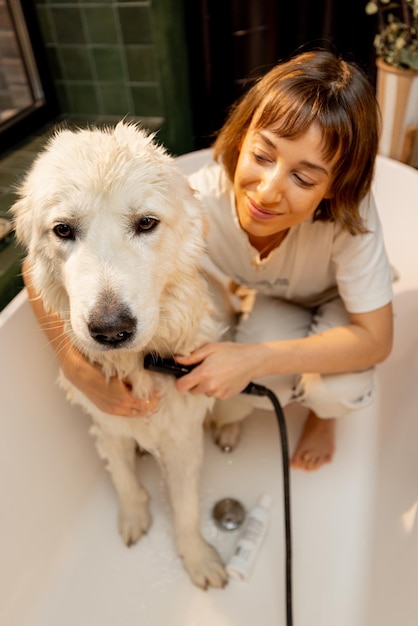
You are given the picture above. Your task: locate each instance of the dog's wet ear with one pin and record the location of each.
(200, 213)
(205, 224)
(22, 220)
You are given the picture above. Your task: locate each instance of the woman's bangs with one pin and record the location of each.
(289, 115)
(286, 116)
(331, 142)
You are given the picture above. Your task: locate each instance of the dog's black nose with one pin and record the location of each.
(112, 331)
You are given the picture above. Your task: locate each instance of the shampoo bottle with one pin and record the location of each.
(250, 540)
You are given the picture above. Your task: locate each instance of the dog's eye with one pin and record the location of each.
(64, 231)
(146, 224)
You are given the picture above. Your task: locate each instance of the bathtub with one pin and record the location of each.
(355, 526)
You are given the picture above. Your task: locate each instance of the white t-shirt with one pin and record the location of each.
(316, 261)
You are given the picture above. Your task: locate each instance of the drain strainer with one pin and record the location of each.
(228, 514)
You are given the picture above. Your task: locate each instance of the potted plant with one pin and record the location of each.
(397, 39)
(396, 45)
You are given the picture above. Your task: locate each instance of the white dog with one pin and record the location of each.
(114, 235)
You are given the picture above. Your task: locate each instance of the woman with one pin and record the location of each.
(291, 217)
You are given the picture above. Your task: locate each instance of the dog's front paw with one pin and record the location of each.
(204, 566)
(133, 523)
(227, 436)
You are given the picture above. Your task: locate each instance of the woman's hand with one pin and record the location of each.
(113, 396)
(222, 369)
(225, 369)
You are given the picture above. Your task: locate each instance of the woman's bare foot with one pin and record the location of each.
(316, 444)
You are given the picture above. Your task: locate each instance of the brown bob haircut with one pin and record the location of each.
(315, 87)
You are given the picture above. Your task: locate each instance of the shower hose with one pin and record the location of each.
(259, 390)
(162, 365)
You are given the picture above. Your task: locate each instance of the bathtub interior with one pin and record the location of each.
(355, 545)
(392, 594)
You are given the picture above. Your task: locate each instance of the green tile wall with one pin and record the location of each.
(110, 59)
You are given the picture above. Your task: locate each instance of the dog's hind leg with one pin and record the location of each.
(120, 454)
(226, 421)
(181, 464)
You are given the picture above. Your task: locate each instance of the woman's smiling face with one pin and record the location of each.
(279, 182)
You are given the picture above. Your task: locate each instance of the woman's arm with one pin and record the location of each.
(113, 396)
(226, 368)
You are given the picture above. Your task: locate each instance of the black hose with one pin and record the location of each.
(162, 365)
(259, 390)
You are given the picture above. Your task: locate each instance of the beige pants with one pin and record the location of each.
(328, 396)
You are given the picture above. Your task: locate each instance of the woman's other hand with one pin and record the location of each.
(112, 396)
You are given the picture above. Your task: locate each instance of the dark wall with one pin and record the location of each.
(234, 40)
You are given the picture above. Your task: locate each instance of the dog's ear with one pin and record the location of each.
(205, 225)
(200, 216)
(196, 209)
(22, 220)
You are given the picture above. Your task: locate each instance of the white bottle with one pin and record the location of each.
(250, 540)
